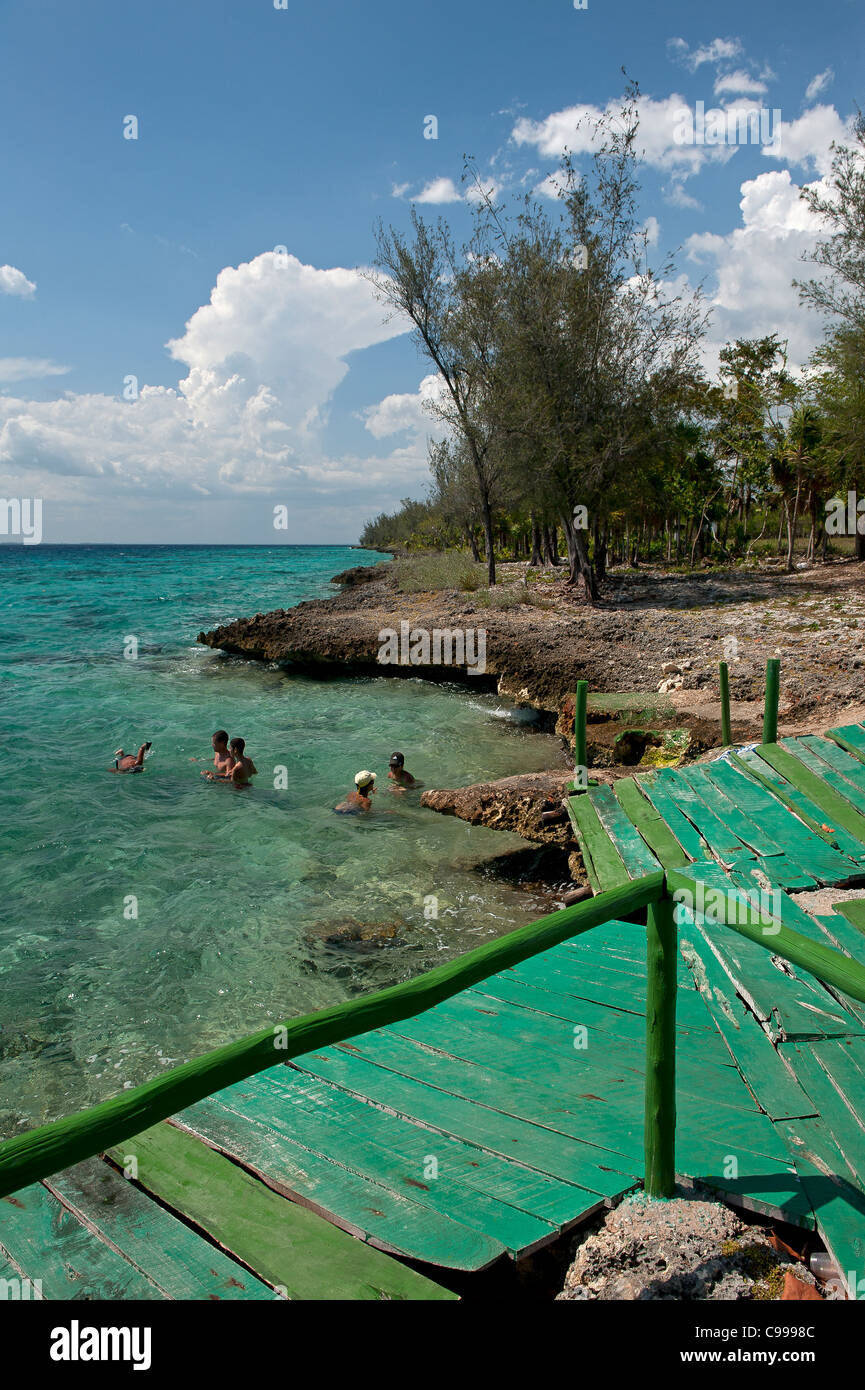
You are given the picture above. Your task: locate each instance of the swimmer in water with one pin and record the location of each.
(130, 762)
(399, 774)
(242, 768)
(223, 760)
(360, 798)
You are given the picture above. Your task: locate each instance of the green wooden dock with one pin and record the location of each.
(481, 1128)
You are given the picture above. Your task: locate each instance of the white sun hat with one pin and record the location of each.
(363, 778)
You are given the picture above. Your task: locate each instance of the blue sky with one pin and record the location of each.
(261, 128)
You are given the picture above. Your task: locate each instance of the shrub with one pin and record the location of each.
(451, 569)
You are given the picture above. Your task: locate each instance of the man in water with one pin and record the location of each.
(242, 768)
(400, 774)
(223, 760)
(360, 798)
(129, 762)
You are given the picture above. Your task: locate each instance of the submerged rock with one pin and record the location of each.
(365, 936)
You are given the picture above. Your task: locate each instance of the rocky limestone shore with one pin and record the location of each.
(651, 631)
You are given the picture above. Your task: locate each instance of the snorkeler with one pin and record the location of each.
(400, 774)
(242, 768)
(360, 798)
(129, 762)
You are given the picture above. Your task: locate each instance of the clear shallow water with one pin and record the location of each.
(235, 890)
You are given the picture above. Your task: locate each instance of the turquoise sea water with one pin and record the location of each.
(233, 890)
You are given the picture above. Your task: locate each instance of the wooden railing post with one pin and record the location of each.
(580, 755)
(660, 1115)
(726, 736)
(770, 711)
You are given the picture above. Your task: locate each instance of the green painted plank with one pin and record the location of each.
(837, 1006)
(366, 1210)
(785, 1001)
(841, 933)
(701, 1154)
(606, 860)
(781, 870)
(760, 803)
(841, 762)
(850, 737)
(849, 794)
(532, 1145)
(828, 1083)
(523, 1044)
(653, 829)
(788, 947)
(749, 831)
(46, 1241)
(178, 1261)
(720, 839)
(288, 1246)
(838, 1204)
(768, 1078)
(854, 910)
(637, 856)
(390, 1155)
(463, 1169)
(679, 826)
(809, 795)
(611, 1022)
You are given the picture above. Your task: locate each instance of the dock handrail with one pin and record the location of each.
(38, 1153)
(49, 1149)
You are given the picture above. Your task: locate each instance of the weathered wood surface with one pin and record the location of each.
(778, 818)
(487, 1123)
(40, 1152)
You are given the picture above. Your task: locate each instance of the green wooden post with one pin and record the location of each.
(580, 755)
(660, 1116)
(726, 736)
(770, 712)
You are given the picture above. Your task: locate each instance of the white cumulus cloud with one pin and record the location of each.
(439, 191)
(13, 281)
(263, 359)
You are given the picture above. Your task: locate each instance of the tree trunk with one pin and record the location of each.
(581, 572)
(551, 544)
(791, 530)
(476, 554)
(537, 558)
(601, 555)
(488, 541)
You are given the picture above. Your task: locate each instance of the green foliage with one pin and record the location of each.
(568, 380)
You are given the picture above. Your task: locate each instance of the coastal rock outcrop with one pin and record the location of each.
(518, 804)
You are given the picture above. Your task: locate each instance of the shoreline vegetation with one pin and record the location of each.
(577, 424)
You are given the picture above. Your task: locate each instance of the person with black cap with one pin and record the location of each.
(399, 773)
